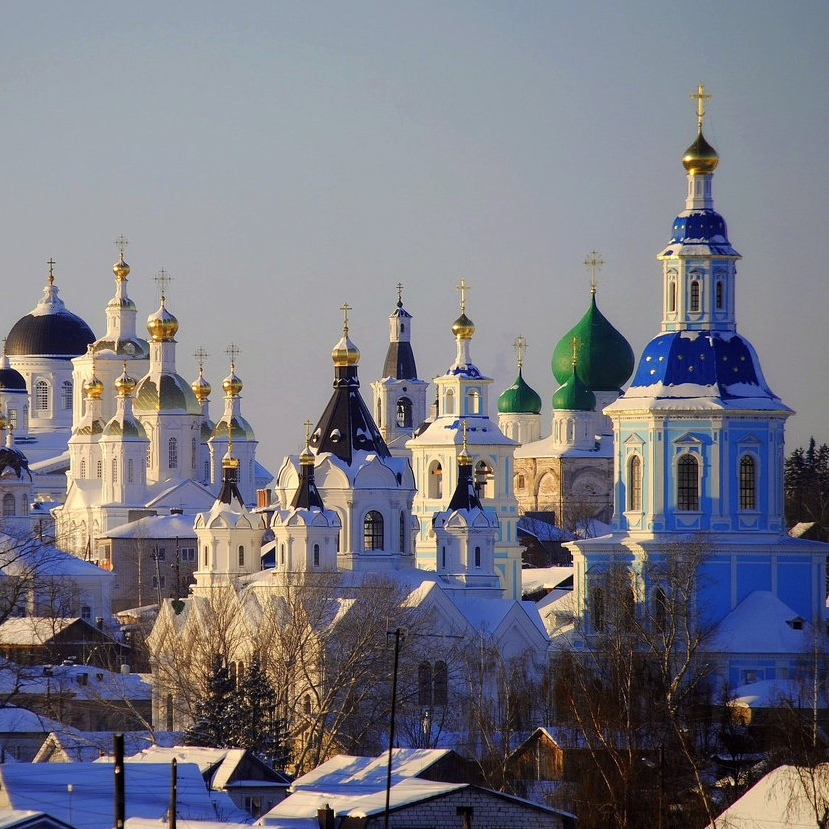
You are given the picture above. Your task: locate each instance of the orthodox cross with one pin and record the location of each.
(700, 97)
(345, 308)
(308, 426)
(463, 288)
(465, 437)
(163, 279)
(121, 243)
(201, 355)
(51, 264)
(520, 346)
(233, 352)
(594, 264)
(399, 294)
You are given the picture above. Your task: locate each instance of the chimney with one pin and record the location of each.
(325, 817)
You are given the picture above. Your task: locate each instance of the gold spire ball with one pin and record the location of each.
(345, 353)
(463, 327)
(700, 158)
(232, 385)
(201, 388)
(125, 385)
(162, 325)
(121, 269)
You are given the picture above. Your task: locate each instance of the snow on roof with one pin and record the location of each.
(785, 798)
(185, 823)
(34, 630)
(534, 579)
(43, 786)
(800, 528)
(223, 760)
(15, 720)
(10, 818)
(87, 746)
(771, 693)
(81, 681)
(28, 556)
(156, 526)
(761, 623)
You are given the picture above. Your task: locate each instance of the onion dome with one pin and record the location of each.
(232, 385)
(201, 388)
(125, 385)
(465, 495)
(93, 388)
(574, 395)
(463, 327)
(345, 353)
(520, 398)
(307, 495)
(162, 325)
(165, 393)
(605, 358)
(10, 379)
(700, 158)
(121, 269)
(49, 330)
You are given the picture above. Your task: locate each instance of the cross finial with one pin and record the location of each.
(201, 355)
(121, 243)
(700, 96)
(465, 437)
(594, 263)
(233, 352)
(308, 426)
(463, 288)
(345, 308)
(51, 264)
(520, 346)
(399, 294)
(163, 279)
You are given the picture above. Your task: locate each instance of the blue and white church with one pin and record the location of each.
(699, 462)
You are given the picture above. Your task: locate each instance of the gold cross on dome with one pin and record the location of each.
(51, 263)
(345, 308)
(233, 352)
(163, 279)
(121, 243)
(594, 263)
(308, 426)
(463, 288)
(201, 355)
(399, 293)
(700, 96)
(520, 346)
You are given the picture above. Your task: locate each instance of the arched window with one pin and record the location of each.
(115, 470)
(241, 555)
(660, 608)
(484, 480)
(130, 470)
(520, 482)
(66, 394)
(99, 469)
(672, 297)
(635, 484)
(172, 453)
(435, 484)
(41, 396)
(449, 402)
(402, 547)
(477, 556)
(443, 556)
(441, 686)
(404, 413)
(473, 404)
(424, 683)
(193, 453)
(282, 554)
(598, 609)
(695, 295)
(748, 483)
(720, 295)
(687, 483)
(206, 471)
(316, 555)
(8, 505)
(379, 413)
(373, 531)
(83, 468)
(25, 416)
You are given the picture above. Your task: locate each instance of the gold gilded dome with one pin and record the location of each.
(94, 388)
(162, 325)
(125, 385)
(345, 353)
(700, 158)
(463, 327)
(232, 385)
(201, 388)
(121, 269)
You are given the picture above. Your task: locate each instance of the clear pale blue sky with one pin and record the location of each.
(280, 158)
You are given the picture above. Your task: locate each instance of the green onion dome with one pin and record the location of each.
(573, 395)
(605, 358)
(520, 398)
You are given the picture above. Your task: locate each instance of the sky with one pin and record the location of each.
(278, 159)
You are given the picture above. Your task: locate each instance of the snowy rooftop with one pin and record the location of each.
(156, 526)
(761, 623)
(81, 681)
(534, 579)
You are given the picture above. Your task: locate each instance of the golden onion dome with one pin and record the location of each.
(307, 456)
(463, 327)
(232, 385)
(121, 269)
(345, 353)
(700, 158)
(162, 325)
(125, 385)
(94, 388)
(201, 388)
(229, 462)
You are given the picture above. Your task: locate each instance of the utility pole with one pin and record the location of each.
(397, 634)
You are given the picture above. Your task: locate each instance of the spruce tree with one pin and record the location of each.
(217, 714)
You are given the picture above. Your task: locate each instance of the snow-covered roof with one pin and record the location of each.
(69, 744)
(43, 786)
(156, 526)
(761, 623)
(81, 681)
(15, 720)
(534, 579)
(771, 693)
(550, 448)
(33, 556)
